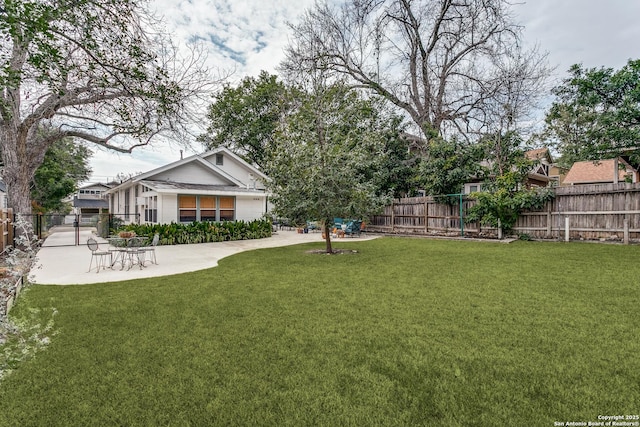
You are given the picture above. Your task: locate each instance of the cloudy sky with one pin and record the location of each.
(248, 36)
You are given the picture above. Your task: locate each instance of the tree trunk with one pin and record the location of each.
(20, 164)
(327, 237)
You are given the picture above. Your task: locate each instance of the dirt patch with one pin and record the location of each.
(335, 252)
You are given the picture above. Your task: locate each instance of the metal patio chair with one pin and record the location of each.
(152, 249)
(99, 255)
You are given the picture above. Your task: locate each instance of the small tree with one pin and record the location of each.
(324, 149)
(505, 194)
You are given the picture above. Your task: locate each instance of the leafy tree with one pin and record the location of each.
(244, 118)
(596, 113)
(504, 194)
(501, 202)
(95, 70)
(65, 165)
(448, 65)
(324, 149)
(392, 169)
(449, 164)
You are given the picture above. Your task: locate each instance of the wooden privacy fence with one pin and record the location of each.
(6, 229)
(584, 212)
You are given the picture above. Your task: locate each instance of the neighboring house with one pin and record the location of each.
(610, 171)
(215, 186)
(90, 201)
(538, 176)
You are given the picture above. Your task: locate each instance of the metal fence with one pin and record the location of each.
(45, 225)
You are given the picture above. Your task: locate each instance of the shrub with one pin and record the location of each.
(203, 232)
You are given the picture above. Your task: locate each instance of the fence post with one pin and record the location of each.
(499, 229)
(11, 231)
(549, 224)
(393, 216)
(626, 231)
(566, 228)
(426, 215)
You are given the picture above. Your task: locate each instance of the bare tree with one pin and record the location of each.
(446, 63)
(99, 71)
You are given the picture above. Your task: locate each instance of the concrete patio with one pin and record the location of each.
(68, 265)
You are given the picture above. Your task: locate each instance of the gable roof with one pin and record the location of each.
(595, 171)
(254, 170)
(200, 160)
(191, 159)
(95, 185)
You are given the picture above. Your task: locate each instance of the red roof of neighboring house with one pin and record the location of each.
(593, 172)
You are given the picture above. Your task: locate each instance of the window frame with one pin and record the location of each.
(220, 212)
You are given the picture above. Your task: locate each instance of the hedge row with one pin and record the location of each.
(202, 232)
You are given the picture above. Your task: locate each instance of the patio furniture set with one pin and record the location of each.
(125, 251)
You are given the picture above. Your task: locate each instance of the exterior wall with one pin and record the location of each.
(236, 169)
(191, 172)
(471, 187)
(118, 202)
(247, 208)
(250, 208)
(167, 208)
(95, 191)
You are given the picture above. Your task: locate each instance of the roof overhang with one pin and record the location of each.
(163, 187)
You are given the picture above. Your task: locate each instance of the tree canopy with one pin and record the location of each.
(100, 71)
(596, 113)
(450, 66)
(65, 165)
(505, 193)
(449, 165)
(326, 149)
(244, 118)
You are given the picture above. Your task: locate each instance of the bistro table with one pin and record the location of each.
(127, 251)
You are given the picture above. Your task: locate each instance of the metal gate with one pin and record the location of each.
(75, 229)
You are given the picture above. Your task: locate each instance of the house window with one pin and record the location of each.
(473, 188)
(151, 209)
(219, 159)
(127, 197)
(207, 208)
(227, 208)
(188, 208)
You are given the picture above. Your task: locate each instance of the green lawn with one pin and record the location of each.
(405, 332)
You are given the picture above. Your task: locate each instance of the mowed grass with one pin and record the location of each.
(405, 332)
